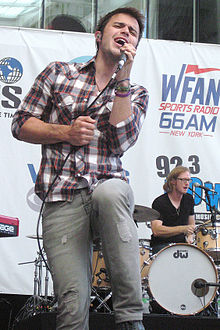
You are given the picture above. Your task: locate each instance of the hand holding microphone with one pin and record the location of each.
(128, 53)
(122, 61)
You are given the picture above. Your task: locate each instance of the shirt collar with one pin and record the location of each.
(91, 65)
(86, 65)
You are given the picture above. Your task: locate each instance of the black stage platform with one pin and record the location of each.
(101, 321)
(11, 305)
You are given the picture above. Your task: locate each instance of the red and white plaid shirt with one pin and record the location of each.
(59, 95)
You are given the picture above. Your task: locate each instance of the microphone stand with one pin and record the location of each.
(214, 212)
(212, 284)
(213, 209)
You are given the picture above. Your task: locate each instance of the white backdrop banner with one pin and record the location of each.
(181, 127)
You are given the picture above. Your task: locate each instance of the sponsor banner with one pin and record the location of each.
(181, 128)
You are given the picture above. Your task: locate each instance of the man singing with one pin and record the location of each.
(81, 179)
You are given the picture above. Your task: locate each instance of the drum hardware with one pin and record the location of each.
(100, 278)
(145, 280)
(144, 274)
(213, 234)
(102, 301)
(34, 237)
(38, 263)
(145, 243)
(201, 283)
(38, 302)
(208, 239)
(204, 231)
(145, 259)
(146, 263)
(106, 279)
(205, 244)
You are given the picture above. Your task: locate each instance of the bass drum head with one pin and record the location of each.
(172, 276)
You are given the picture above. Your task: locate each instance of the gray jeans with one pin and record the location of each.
(68, 232)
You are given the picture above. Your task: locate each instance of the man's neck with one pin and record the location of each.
(175, 198)
(105, 68)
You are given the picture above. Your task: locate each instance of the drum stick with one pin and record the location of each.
(206, 222)
(201, 225)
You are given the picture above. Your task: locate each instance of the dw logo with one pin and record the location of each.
(182, 254)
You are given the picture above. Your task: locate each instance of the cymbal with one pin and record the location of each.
(144, 214)
(34, 236)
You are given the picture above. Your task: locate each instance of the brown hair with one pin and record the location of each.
(123, 10)
(168, 187)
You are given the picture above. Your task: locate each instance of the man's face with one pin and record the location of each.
(120, 29)
(181, 184)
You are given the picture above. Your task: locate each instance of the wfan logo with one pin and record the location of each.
(11, 70)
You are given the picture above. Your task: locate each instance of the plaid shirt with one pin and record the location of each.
(59, 95)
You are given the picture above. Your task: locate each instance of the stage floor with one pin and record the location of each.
(101, 321)
(12, 305)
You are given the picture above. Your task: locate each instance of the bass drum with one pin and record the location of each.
(175, 275)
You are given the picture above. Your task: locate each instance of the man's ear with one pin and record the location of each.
(98, 36)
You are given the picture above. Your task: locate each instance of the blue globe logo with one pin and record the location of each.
(11, 70)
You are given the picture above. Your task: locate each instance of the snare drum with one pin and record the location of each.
(172, 276)
(208, 239)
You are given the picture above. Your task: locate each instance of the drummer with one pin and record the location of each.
(176, 223)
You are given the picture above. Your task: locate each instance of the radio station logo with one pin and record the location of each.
(11, 70)
(190, 102)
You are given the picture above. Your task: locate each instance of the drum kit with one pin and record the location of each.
(182, 278)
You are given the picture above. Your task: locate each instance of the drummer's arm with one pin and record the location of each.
(159, 229)
(190, 238)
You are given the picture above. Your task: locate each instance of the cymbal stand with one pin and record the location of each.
(37, 281)
(46, 284)
(36, 303)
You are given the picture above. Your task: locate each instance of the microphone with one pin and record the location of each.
(198, 284)
(199, 287)
(122, 61)
(196, 184)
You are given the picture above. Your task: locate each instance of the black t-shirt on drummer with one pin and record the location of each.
(172, 217)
